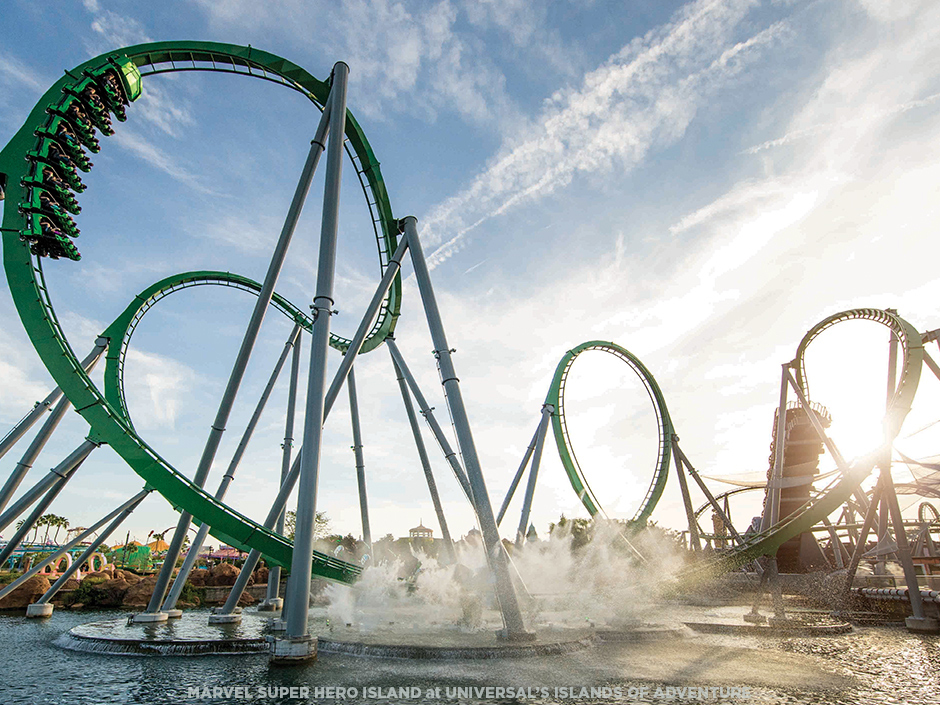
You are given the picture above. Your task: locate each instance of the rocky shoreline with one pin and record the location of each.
(115, 588)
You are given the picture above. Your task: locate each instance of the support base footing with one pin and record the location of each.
(40, 609)
(287, 651)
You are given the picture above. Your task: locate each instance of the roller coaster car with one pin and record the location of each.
(78, 121)
(48, 182)
(58, 131)
(46, 241)
(90, 104)
(51, 154)
(42, 204)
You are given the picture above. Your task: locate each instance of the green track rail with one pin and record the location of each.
(556, 397)
(32, 164)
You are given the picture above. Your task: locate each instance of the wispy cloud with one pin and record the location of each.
(15, 72)
(411, 58)
(160, 385)
(136, 144)
(643, 98)
(860, 123)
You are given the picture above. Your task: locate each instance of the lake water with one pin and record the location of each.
(869, 665)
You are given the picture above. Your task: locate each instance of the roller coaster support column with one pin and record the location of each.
(519, 473)
(844, 601)
(425, 462)
(39, 442)
(695, 543)
(298, 645)
(428, 413)
(514, 626)
(169, 606)
(41, 607)
(54, 483)
(272, 600)
(244, 353)
(65, 548)
(884, 512)
(722, 514)
(360, 463)
(919, 622)
(547, 411)
(56, 476)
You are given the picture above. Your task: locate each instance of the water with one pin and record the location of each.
(870, 665)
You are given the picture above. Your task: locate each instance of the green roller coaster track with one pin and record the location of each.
(43, 159)
(556, 397)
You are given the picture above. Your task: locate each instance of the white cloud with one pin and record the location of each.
(642, 99)
(15, 72)
(136, 144)
(157, 388)
(407, 58)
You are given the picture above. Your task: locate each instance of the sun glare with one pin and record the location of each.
(847, 371)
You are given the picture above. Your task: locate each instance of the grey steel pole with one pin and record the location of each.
(62, 474)
(428, 413)
(39, 442)
(298, 597)
(360, 463)
(425, 463)
(514, 626)
(196, 546)
(695, 543)
(814, 422)
(860, 545)
(904, 548)
(274, 572)
(365, 325)
(723, 515)
(26, 423)
(62, 550)
(52, 478)
(117, 517)
(547, 411)
(244, 352)
(884, 514)
(515, 480)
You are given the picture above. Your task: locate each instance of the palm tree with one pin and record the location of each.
(45, 520)
(35, 527)
(60, 523)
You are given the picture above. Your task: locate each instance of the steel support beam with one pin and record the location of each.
(547, 411)
(518, 476)
(425, 463)
(65, 548)
(299, 590)
(116, 517)
(57, 479)
(360, 462)
(45, 433)
(427, 412)
(274, 572)
(514, 626)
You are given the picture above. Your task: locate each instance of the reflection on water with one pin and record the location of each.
(870, 665)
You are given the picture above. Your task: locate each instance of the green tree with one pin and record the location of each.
(321, 525)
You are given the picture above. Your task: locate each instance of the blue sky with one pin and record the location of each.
(700, 182)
